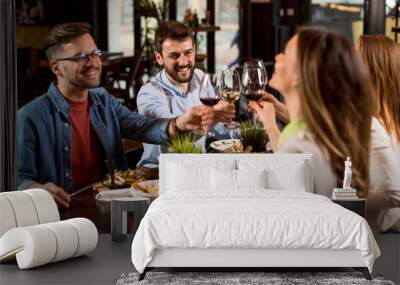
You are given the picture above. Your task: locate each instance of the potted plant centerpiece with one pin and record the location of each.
(253, 138)
(184, 144)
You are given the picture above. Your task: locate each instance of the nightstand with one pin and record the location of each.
(356, 205)
(119, 208)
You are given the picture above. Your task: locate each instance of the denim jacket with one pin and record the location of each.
(44, 135)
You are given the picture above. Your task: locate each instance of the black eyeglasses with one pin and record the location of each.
(83, 58)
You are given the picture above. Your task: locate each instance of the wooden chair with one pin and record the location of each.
(122, 75)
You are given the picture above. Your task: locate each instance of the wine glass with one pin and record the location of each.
(260, 63)
(209, 92)
(230, 88)
(254, 80)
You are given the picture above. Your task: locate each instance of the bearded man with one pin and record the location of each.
(65, 135)
(176, 88)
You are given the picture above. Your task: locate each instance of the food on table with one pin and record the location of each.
(99, 186)
(235, 147)
(146, 186)
(231, 146)
(121, 178)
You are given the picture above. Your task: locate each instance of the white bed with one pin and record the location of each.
(256, 210)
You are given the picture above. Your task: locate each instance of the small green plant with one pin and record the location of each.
(253, 136)
(184, 144)
(153, 9)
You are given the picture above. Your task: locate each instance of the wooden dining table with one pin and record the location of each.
(85, 205)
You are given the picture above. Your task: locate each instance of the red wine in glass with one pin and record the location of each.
(209, 101)
(254, 91)
(209, 93)
(253, 96)
(253, 80)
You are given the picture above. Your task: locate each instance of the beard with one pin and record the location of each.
(175, 74)
(87, 80)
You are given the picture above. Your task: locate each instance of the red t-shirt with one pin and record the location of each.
(86, 150)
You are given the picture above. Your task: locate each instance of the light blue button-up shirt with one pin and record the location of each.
(160, 98)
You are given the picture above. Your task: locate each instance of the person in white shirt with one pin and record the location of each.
(330, 107)
(175, 89)
(382, 57)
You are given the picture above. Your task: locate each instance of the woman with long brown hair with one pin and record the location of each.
(382, 57)
(330, 106)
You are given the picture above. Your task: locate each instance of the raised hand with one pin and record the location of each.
(193, 119)
(266, 114)
(280, 108)
(223, 112)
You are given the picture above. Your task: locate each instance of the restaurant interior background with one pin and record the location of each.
(227, 32)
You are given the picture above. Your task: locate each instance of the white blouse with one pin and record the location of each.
(383, 202)
(396, 146)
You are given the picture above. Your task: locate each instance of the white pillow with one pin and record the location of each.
(223, 179)
(184, 177)
(188, 176)
(251, 178)
(293, 180)
(287, 174)
(237, 179)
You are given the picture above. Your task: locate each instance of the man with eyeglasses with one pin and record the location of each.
(65, 135)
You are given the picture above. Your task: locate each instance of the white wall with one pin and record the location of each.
(114, 24)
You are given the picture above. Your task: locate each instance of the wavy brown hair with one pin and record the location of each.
(382, 57)
(172, 30)
(62, 34)
(336, 101)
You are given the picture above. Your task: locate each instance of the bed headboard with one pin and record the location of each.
(285, 170)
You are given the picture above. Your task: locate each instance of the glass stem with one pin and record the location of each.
(205, 141)
(253, 115)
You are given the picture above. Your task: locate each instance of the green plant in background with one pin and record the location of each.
(254, 136)
(151, 10)
(184, 144)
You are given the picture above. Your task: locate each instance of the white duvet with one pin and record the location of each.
(252, 218)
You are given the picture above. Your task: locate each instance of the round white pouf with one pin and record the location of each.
(33, 246)
(7, 218)
(46, 207)
(87, 234)
(40, 244)
(23, 208)
(67, 239)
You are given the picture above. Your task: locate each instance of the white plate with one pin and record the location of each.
(108, 195)
(223, 145)
(144, 184)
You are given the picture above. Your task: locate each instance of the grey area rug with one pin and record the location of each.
(233, 278)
